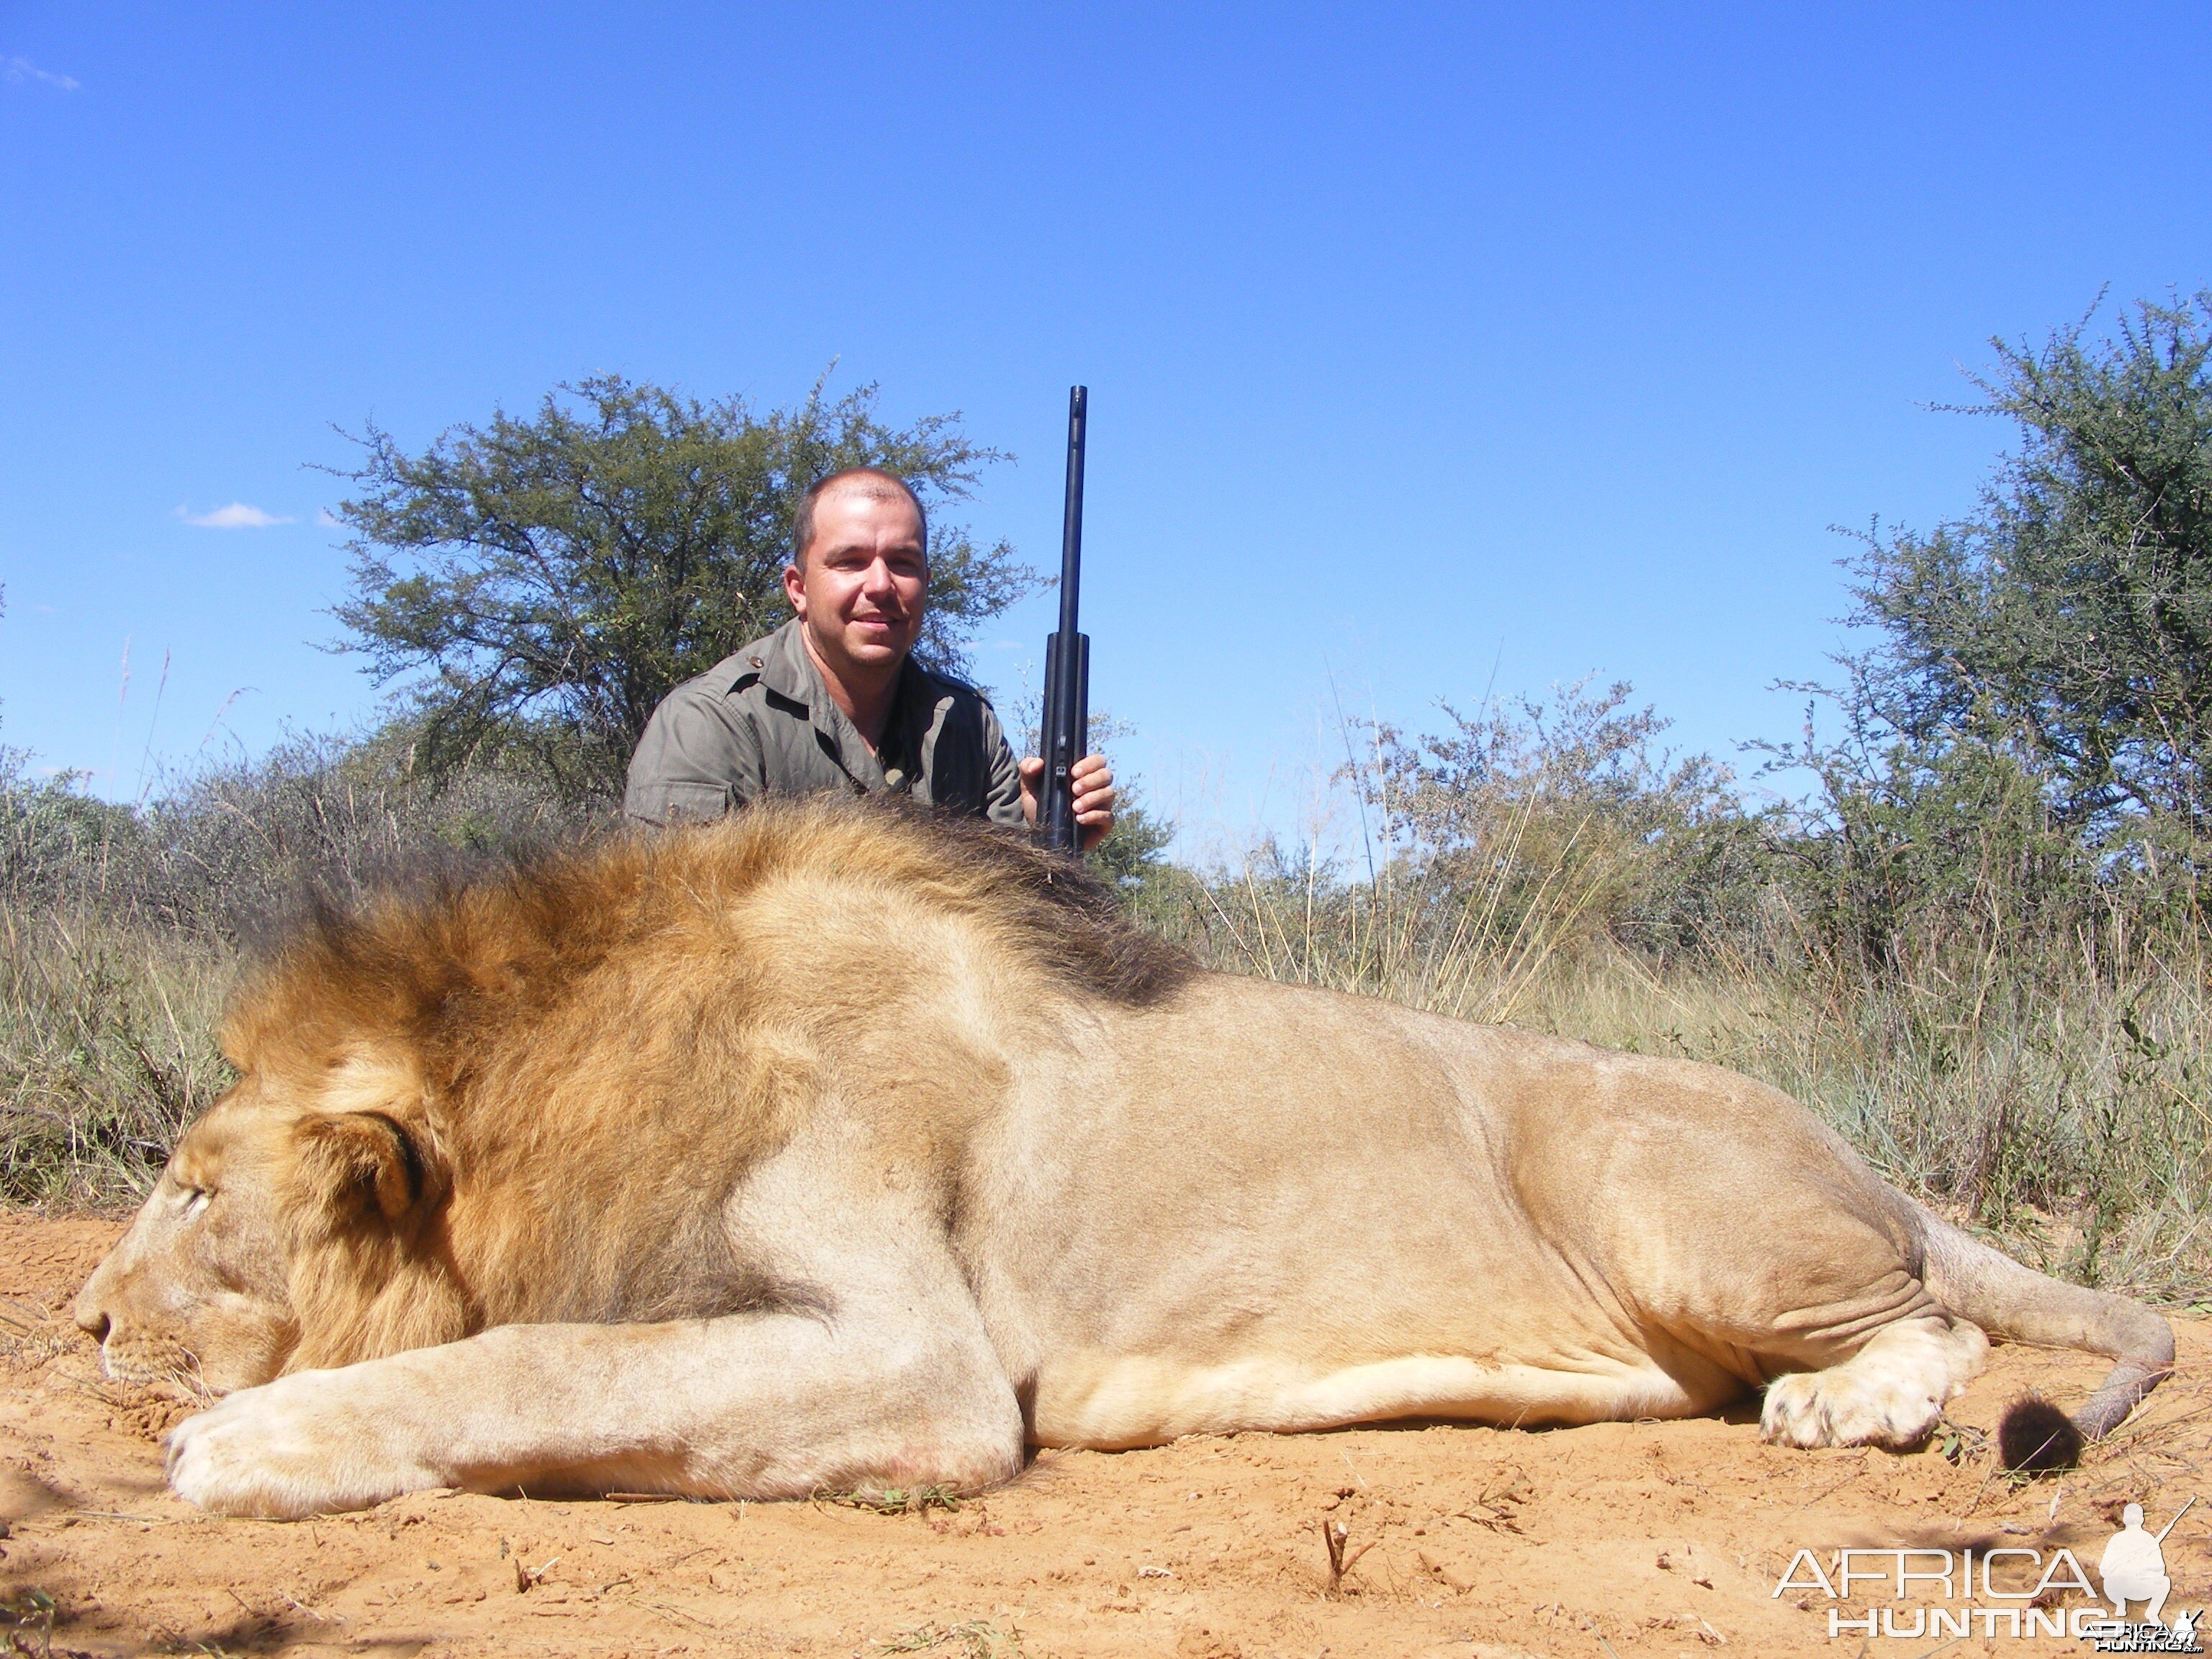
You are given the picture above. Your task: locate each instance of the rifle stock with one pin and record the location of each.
(1065, 736)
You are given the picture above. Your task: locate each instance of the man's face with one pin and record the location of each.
(861, 589)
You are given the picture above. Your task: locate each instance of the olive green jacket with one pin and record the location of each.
(762, 722)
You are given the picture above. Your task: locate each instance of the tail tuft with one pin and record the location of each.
(2035, 1438)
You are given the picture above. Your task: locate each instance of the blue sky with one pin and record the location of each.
(1428, 348)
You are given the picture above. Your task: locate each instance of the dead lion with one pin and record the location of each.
(826, 1148)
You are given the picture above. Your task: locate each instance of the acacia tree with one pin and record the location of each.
(542, 583)
(2071, 615)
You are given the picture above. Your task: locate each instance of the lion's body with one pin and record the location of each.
(825, 1148)
(1343, 1211)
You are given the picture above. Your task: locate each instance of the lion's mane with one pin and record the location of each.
(524, 1097)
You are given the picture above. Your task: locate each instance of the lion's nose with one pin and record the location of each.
(91, 1315)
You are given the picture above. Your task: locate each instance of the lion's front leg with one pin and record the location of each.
(892, 1382)
(730, 1408)
(304, 1445)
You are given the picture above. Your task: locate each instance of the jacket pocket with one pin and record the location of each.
(677, 803)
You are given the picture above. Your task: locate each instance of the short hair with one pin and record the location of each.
(886, 484)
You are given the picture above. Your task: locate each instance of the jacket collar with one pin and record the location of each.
(784, 667)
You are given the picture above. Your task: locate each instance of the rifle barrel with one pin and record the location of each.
(2176, 1521)
(1071, 529)
(1067, 657)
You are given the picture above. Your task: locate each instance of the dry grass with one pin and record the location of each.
(106, 1051)
(121, 932)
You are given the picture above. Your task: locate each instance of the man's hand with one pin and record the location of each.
(1094, 795)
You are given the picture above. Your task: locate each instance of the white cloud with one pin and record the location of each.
(328, 520)
(237, 516)
(16, 70)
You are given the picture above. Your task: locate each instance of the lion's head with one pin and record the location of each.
(281, 1236)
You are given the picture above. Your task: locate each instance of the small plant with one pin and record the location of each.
(896, 1500)
(1498, 1506)
(976, 1638)
(29, 1616)
(1956, 1442)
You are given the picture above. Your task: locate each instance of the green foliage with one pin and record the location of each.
(1524, 835)
(1134, 854)
(52, 834)
(2019, 762)
(1910, 848)
(1575, 791)
(542, 583)
(2071, 616)
(897, 1500)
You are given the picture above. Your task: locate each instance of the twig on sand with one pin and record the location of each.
(320, 1619)
(1336, 1534)
(667, 1611)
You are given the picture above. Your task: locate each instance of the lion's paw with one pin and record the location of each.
(1837, 1408)
(301, 1445)
(1892, 1393)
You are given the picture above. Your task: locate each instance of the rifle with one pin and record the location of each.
(1066, 735)
(2176, 1521)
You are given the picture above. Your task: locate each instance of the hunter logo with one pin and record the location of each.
(2006, 1592)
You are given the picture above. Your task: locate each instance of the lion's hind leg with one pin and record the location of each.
(1891, 1392)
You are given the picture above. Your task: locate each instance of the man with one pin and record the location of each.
(833, 700)
(2133, 1567)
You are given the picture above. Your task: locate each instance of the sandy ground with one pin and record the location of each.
(1623, 1539)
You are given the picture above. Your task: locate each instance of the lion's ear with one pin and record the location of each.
(360, 1162)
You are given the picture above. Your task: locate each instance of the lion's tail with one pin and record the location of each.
(2019, 1304)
